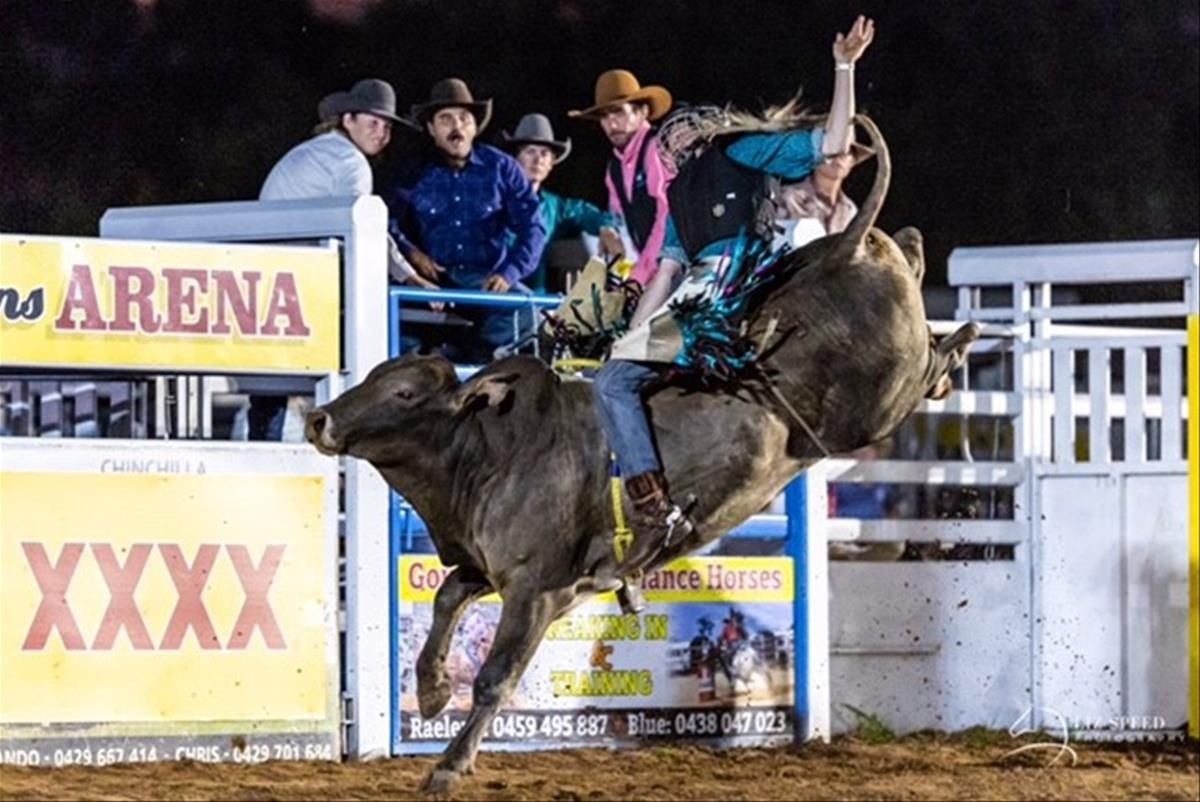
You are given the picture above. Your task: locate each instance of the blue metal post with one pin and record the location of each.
(394, 617)
(796, 504)
(394, 552)
(393, 326)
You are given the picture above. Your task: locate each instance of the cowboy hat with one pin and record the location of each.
(450, 93)
(858, 150)
(621, 86)
(369, 95)
(535, 129)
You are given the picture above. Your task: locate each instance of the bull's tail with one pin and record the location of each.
(856, 233)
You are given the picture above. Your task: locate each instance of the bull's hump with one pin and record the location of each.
(527, 367)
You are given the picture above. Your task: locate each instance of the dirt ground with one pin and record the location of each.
(917, 767)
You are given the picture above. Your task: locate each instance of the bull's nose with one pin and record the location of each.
(318, 430)
(315, 424)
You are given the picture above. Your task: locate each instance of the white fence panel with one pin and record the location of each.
(937, 645)
(1113, 588)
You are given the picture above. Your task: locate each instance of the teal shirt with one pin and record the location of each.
(565, 217)
(790, 155)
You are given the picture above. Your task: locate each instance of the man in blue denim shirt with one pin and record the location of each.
(469, 214)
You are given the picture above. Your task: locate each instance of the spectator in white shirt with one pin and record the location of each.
(355, 126)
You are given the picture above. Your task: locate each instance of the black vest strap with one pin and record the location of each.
(641, 209)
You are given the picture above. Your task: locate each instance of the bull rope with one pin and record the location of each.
(762, 374)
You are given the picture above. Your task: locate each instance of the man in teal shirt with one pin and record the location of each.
(537, 151)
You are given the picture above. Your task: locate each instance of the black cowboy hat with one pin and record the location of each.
(369, 95)
(535, 129)
(449, 93)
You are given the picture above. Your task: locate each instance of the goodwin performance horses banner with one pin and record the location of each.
(709, 660)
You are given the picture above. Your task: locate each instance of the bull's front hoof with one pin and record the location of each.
(596, 584)
(432, 696)
(440, 782)
(630, 597)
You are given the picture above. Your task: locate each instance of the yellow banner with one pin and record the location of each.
(161, 598)
(1193, 372)
(689, 579)
(107, 303)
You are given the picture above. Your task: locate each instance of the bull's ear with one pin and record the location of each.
(483, 392)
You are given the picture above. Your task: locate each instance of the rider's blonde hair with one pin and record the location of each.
(784, 117)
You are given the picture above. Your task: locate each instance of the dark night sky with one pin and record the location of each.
(1009, 122)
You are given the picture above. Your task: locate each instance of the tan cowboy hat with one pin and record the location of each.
(449, 93)
(621, 86)
(860, 152)
(370, 96)
(535, 129)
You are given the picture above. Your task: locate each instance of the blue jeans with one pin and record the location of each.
(618, 389)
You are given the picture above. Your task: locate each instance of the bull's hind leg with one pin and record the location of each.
(523, 621)
(912, 244)
(461, 587)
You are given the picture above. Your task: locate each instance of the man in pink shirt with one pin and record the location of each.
(636, 178)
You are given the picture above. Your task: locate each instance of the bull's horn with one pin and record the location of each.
(856, 233)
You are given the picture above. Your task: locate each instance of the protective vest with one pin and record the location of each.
(714, 197)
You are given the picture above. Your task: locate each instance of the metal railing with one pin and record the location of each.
(475, 298)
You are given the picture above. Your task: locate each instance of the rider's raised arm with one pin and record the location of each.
(847, 49)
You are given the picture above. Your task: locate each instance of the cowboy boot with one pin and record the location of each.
(657, 522)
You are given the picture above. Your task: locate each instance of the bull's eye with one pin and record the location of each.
(404, 395)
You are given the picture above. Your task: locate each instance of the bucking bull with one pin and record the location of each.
(510, 470)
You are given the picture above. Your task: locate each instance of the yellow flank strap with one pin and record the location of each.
(622, 534)
(571, 365)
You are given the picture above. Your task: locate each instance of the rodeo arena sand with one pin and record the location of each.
(218, 632)
(980, 765)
